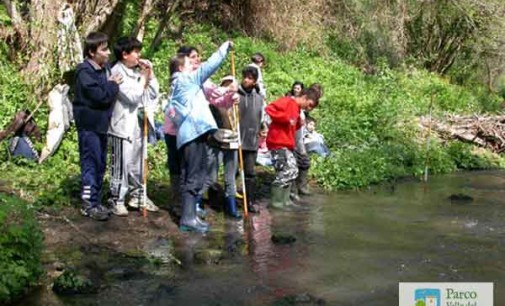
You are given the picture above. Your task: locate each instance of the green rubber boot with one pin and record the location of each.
(288, 204)
(277, 197)
(302, 183)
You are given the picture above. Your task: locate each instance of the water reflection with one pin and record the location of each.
(352, 248)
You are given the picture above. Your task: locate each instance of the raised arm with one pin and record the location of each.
(209, 67)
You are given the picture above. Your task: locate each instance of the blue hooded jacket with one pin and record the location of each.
(189, 108)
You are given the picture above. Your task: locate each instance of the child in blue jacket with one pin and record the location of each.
(190, 111)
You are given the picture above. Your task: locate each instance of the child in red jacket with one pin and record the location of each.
(284, 115)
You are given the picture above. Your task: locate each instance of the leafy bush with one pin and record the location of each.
(71, 282)
(20, 248)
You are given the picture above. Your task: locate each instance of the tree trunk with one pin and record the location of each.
(104, 9)
(139, 30)
(43, 43)
(13, 13)
(18, 38)
(163, 24)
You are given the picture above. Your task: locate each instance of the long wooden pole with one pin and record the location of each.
(236, 114)
(427, 160)
(144, 163)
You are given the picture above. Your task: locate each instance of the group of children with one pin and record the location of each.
(204, 124)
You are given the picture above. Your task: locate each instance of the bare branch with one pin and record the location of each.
(13, 13)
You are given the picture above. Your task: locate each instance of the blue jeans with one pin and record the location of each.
(230, 161)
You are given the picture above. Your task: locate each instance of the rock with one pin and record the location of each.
(283, 238)
(460, 199)
(160, 249)
(235, 246)
(59, 266)
(71, 282)
(122, 273)
(300, 299)
(208, 256)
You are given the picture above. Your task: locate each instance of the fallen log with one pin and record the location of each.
(484, 131)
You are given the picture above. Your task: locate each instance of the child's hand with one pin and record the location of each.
(117, 78)
(146, 68)
(236, 98)
(147, 73)
(233, 87)
(143, 63)
(230, 47)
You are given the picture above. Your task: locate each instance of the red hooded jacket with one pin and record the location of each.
(285, 116)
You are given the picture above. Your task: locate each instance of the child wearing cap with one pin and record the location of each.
(224, 143)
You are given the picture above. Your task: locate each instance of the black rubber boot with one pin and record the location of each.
(303, 183)
(189, 221)
(250, 186)
(175, 186)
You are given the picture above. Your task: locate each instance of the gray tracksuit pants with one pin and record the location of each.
(125, 165)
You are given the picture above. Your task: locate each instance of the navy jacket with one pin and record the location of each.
(94, 96)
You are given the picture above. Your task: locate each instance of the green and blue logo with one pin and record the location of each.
(427, 297)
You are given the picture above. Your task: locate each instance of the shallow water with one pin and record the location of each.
(352, 248)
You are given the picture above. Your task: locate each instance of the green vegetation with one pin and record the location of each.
(20, 248)
(369, 121)
(381, 63)
(70, 282)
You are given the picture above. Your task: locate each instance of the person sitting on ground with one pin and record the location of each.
(137, 94)
(264, 157)
(296, 89)
(313, 141)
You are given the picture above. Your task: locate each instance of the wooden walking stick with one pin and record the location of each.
(236, 116)
(144, 163)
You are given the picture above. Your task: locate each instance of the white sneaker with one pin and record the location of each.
(119, 209)
(138, 202)
(150, 206)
